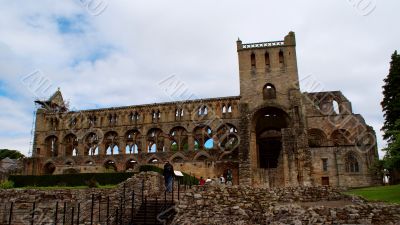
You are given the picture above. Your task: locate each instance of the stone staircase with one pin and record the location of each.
(160, 208)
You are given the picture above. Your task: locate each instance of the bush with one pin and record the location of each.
(92, 183)
(6, 184)
(186, 179)
(70, 180)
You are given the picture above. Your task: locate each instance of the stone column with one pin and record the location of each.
(244, 147)
(144, 145)
(122, 147)
(81, 148)
(190, 142)
(167, 144)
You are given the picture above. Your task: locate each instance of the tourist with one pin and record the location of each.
(229, 177)
(222, 179)
(202, 181)
(208, 181)
(168, 176)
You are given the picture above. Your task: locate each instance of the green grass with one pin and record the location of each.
(389, 194)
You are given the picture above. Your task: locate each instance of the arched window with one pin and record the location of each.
(223, 109)
(229, 109)
(266, 58)
(352, 163)
(281, 58)
(253, 60)
(335, 107)
(155, 140)
(269, 91)
(203, 110)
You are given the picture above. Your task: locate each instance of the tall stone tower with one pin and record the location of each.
(273, 141)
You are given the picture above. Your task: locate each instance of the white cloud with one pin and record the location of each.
(121, 55)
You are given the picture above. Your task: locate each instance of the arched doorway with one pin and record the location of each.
(267, 145)
(49, 168)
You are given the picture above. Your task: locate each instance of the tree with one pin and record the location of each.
(391, 97)
(12, 154)
(391, 108)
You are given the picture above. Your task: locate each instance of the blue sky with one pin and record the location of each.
(118, 53)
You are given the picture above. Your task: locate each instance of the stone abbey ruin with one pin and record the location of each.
(271, 135)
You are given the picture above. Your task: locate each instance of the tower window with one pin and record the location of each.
(267, 62)
(253, 60)
(352, 163)
(281, 57)
(325, 165)
(269, 91)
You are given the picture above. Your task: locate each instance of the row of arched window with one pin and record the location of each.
(267, 60)
(224, 138)
(135, 117)
(317, 138)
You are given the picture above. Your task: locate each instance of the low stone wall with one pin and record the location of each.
(46, 200)
(250, 205)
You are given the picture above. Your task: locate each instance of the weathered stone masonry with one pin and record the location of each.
(271, 135)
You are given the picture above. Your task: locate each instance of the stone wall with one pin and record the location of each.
(46, 200)
(300, 205)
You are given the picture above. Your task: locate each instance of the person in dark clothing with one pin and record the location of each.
(168, 176)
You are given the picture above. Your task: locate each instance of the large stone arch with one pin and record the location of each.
(316, 137)
(49, 167)
(201, 156)
(177, 158)
(151, 159)
(202, 134)
(133, 140)
(179, 139)
(111, 143)
(51, 146)
(155, 140)
(70, 144)
(227, 137)
(268, 128)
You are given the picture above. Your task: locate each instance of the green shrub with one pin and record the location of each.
(92, 183)
(6, 184)
(70, 180)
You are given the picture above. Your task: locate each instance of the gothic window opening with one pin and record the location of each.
(203, 137)
(70, 145)
(111, 143)
(281, 58)
(223, 109)
(316, 138)
(132, 139)
(269, 91)
(352, 163)
(110, 166)
(227, 137)
(335, 107)
(203, 110)
(92, 120)
(229, 108)
(253, 61)
(325, 165)
(134, 117)
(112, 119)
(52, 146)
(156, 115)
(267, 61)
(155, 140)
(179, 139)
(91, 142)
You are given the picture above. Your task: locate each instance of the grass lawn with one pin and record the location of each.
(389, 194)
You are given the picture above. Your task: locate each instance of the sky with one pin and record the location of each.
(104, 53)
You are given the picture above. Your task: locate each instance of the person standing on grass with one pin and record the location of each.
(168, 176)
